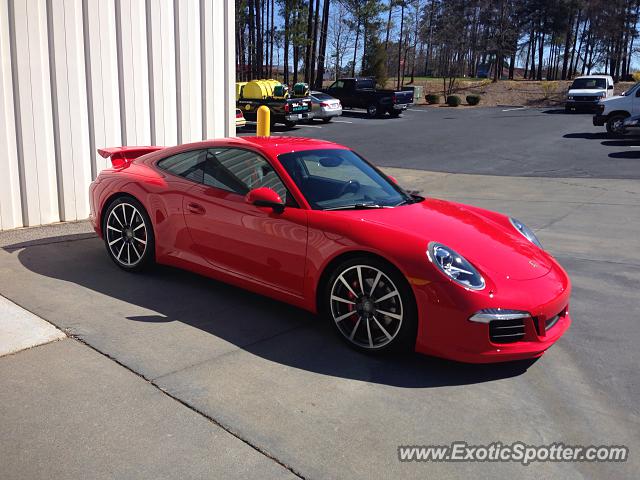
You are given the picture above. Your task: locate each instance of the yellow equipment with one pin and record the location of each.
(256, 89)
(239, 88)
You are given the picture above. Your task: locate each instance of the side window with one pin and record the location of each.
(337, 84)
(189, 165)
(239, 171)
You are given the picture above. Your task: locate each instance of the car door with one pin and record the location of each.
(635, 108)
(243, 239)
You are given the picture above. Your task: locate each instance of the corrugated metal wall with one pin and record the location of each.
(77, 75)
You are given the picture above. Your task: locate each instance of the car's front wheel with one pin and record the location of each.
(372, 110)
(372, 306)
(128, 234)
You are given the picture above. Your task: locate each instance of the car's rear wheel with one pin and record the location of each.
(395, 113)
(615, 124)
(372, 306)
(128, 234)
(327, 120)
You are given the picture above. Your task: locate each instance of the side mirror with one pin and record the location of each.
(265, 197)
(393, 179)
(610, 87)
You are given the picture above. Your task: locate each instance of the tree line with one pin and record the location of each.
(311, 40)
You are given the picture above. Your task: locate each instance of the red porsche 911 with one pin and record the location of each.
(312, 223)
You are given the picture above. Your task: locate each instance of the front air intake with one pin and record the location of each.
(506, 331)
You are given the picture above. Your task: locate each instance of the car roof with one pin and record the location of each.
(594, 76)
(273, 146)
(282, 144)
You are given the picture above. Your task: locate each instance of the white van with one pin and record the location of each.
(585, 92)
(613, 111)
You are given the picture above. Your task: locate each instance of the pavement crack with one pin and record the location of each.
(211, 419)
(222, 355)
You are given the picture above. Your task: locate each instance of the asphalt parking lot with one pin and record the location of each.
(508, 141)
(199, 379)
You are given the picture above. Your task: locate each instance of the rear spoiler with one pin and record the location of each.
(122, 156)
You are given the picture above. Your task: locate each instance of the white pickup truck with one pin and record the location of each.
(613, 111)
(585, 92)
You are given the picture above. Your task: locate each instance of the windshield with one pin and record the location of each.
(335, 178)
(627, 92)
(588, 83)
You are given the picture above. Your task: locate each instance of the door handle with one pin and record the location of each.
(195, 208)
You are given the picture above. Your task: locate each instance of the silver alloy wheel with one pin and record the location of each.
(366, 306)
(126, 234)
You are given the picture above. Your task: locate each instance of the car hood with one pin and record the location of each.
(486, 239)
(587, 92)
(610, 99)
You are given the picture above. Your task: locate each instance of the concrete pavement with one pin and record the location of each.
(20, 329)
(284, 383)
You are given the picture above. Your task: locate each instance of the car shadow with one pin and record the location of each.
(631, 142)
(627, 155)
(228, 312)
(588, 135)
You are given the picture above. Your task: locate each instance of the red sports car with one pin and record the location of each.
(312, 223)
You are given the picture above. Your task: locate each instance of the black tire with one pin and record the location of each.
(372, 111)
(128, 234)
(327, 120)
(367, 328)
(289, 124)
(395, 113)
(614, 124)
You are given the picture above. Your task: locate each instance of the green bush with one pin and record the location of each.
(432, 98)
(473, 99)
(453, 100)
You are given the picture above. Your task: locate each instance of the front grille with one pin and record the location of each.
(586, 99)
(506, 331)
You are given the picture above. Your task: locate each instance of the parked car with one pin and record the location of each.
(585, 92)
(325, 107)
(632, 124)
(240, 120)
(613, 111)
(312, 223)
(362, 93)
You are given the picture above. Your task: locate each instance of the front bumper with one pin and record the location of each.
(446, 331)
(582, 106)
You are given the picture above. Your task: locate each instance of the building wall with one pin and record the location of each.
(77, 75)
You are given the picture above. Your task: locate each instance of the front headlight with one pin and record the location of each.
(455, 266)
(570, 97)
(525, 231)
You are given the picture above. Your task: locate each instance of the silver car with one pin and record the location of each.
(325, 107)
(631, 125)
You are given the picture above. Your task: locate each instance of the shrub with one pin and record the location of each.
(432, 98)
(453, 100)
(548, 88)
(636, 76)
(473, 99)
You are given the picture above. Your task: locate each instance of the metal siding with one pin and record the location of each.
(77, 75)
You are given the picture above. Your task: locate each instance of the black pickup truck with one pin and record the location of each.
(362, 93)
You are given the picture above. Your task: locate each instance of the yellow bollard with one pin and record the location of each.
(264, 121)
